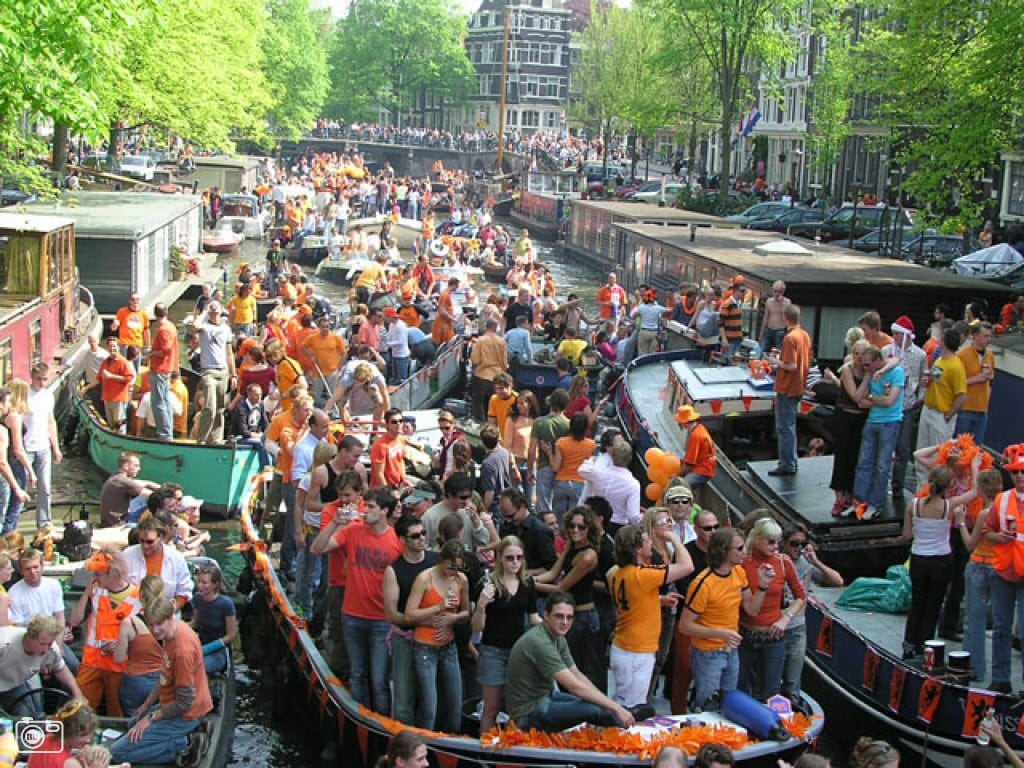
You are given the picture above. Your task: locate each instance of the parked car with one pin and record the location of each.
(882, 241)
(856, 219)
(11, 196)
(668, 194)
(138, 167)
(595, 171)
(761, 211)
(638, 185)
(935, 250)
(788, 219)
(95, 160)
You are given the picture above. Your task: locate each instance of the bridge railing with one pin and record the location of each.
(455, 143)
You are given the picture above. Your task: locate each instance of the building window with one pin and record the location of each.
(531, 118)
(35, 341)
(1015, 200)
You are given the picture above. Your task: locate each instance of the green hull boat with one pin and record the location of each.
(217, 474)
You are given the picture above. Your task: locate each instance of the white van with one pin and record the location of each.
(138, 167)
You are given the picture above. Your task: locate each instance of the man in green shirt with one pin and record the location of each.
(541, 658)
(546, 429)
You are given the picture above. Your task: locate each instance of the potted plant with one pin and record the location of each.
(178, 263)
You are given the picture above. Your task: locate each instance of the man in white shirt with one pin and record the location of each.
(145, 424)
(92, 360)
(397, 342)
(24, 652)
(217, 360)
(41, 441)
(38, 595)
(615, 483)
(178, 584)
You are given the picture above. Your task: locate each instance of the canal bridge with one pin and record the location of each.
(412, 159)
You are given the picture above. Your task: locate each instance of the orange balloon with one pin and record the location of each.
(671, 464)
(654, 491)
(657, 474)
(652, 456)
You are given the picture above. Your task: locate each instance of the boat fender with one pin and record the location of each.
(750, 713)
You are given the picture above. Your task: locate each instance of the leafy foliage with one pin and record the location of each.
(295, 64)
(387, 52)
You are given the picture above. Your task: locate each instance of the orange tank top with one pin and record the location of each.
(430, 635)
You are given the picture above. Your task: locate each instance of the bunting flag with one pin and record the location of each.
(325, 698)
(899, 679)
(806, 406)
(826, 632)
(978, 703)
(716, 407)
(363, 737)
(445, 760)
(341, 722)
(870, 676)
(293, 638)
(747, 400)
(928, 701)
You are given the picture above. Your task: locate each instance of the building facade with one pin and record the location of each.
(538, 65)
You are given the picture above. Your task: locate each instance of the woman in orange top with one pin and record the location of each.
(443, 328)
(568, 454)
(980, 571)
(136, 645)
(441, 598)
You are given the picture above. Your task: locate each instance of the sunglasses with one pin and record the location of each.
(394, 421)
(772, 542)
(464, 497)
(148, 541)
(663, 523)
(415, 536)
(576, 526)
(681, 500)
(798, 543)
(710, 528)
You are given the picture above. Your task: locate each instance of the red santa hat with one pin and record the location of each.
(903, 324)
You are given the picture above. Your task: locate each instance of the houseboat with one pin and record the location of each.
(45, 313)
(123, 241)
(543, 201)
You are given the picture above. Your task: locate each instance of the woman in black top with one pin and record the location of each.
(574, 572)
(507, 600)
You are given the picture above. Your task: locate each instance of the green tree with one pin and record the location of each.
(729, 35)
(295, 64)
(389, 51)
(955, 71)
(53, 56)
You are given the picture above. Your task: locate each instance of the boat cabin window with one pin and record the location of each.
(6, 361)
(35, 341)
(60, 266)
(19, 265)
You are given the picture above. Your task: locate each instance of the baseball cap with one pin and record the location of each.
(99, 562)
(390, 312)
(190, 502)
(418, 495)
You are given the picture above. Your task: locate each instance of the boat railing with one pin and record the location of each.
(413, 393)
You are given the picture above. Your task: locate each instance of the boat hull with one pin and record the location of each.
(356, 733)
(836, 674)
(218, 474)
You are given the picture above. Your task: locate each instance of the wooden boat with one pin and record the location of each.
(854, 660)
(503, 206)
(222, 240)
(45, 314)
(312, 251)
(738, 410)
(540, 376)
(354, 733)
(218, 474)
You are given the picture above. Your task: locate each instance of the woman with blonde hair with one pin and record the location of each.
(17, 457)
(508, 599)
(6, 572)
(874, 753)
(848, 419)
(137, 646)
(69, 746)
(10, 487)
(658, 524)
(516, 434)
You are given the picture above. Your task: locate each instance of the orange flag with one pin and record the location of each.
(928, 701)
(870, 675)
(978, 703)
(899, 678)
(826, 631)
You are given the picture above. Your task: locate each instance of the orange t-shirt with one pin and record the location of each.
(113, 390)
(183, 668)
(443, 328)
(328, 351)
(700, 452)
(167, 340)
(391, 454)
(796, 348)
(498, 409)
(635, 591)
(132, 326)
(287, 434)
(286, 373)
(574, 453)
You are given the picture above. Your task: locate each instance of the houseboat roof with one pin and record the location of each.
(640, 212)
(820, 264)
(228, 161)
(117, 215)
(31, 222)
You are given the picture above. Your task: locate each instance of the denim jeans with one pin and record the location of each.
(772, 339)
(972, 423)
(1007, 597)
(337, 655)
(437, 668)
(399, 369)
(160, 401)
(308, 570)
(215, 663)
(761, 664)
(563, 710)
(545, 488)
(713, 671)
(41, 463)
(289, 552)
(785, 430)
(793, 667)
(29, 706)
(904, 450)
(366, 644)
(874, 465)
(403, 677)
(134, 690)
(162, 742)
(14, 505)
(566, 496)
(5, 497)
(979, 577)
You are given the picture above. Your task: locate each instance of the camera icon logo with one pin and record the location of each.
(39, 736)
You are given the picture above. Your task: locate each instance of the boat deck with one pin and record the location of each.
(886, 631)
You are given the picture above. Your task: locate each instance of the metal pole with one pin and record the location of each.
(504, 92)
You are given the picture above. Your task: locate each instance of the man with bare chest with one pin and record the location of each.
(774, 326)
